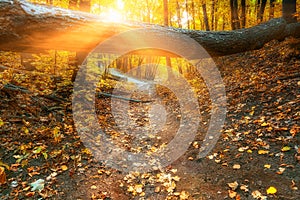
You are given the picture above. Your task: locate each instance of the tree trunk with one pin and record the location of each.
(27, 27)
(271, 13)
(235, 24)
(212, 15)
(289, 10)
(166, 13)
(257, 9)
(243, 16)
(187, 14)
(193, 15)
(178, 14)
(216, 16)
(169, 69)
(262, 10)
(205, 17)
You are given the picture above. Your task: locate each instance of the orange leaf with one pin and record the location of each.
(64, 167)
(2, 176)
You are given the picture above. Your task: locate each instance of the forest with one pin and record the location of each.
(151, 99)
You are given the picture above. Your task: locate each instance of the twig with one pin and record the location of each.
(123, 98)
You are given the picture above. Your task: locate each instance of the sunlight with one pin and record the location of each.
(185, 18)
(120, 4)
(113, 15)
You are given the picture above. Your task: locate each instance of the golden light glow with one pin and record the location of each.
(112, 15)
(120, 4)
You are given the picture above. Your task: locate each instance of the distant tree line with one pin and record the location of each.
(191, 14)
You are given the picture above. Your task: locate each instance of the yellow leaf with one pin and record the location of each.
(87, 151)
(264, 124)
(271, 190)
(262, 152)
(26, 131)
(233, 185)
(130, 189)
(267, 166)
(93, 187)
(1, 122)
(2, 164)
(176, 178)
(286, 148)
(184, 195)
(231, 194)
(157, 189)
(236, 166)
(138, 188)
(64, 167)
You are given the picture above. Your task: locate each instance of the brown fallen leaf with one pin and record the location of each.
(294, 186)
(29, 194)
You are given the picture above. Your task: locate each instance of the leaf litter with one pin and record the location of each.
(257, 155)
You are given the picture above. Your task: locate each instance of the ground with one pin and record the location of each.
(257, 155)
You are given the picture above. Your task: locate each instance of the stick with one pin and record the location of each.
(123, 98)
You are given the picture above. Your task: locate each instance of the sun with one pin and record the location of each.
(113, 15)
(110, 14)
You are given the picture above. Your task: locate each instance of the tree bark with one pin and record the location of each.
(271, 11)
(262, 10)
(187, 14)
(235, 23)
(205, 18)
(166, 13)
(212, 15)
(178, 14)
(243, 16)
(193, 15)
(289, 10)
(27, 27)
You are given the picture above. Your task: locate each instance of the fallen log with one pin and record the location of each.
(31, 27)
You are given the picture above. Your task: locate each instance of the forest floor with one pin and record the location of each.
(257, 155)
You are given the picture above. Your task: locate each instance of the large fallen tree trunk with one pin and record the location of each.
(31, 27)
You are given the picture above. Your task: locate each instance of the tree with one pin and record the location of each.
(205, 17)
(166, 13)
(262, 10)
(212, 15)
(235, 24)
(36, 29)
(178, 14)
(243, 16)
(193, 15)
(289, 10)
(187, 14)
(271, 13)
